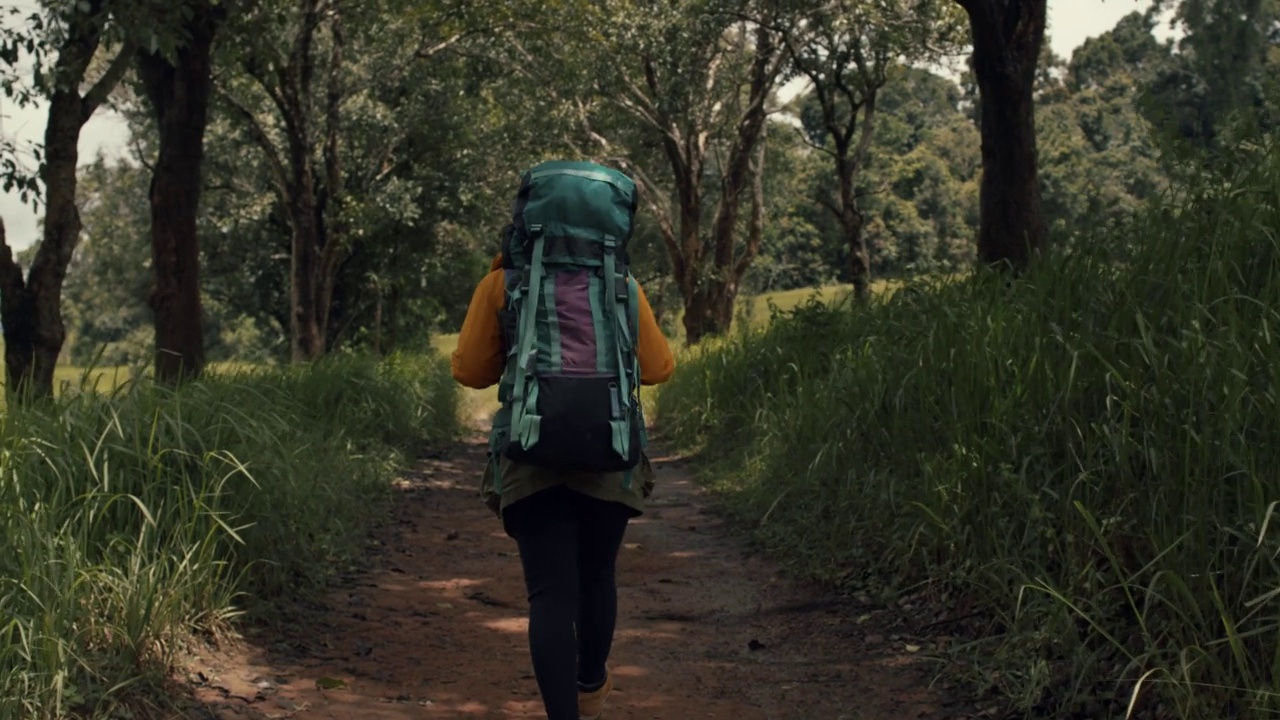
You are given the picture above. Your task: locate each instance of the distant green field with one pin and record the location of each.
(107, 379)
(758, 305)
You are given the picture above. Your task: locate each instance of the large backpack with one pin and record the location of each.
(570, 390)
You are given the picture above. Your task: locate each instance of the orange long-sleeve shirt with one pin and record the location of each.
(478, 362)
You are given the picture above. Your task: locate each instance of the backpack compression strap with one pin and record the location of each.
(621, 421)
(526, 425)
(633, 297)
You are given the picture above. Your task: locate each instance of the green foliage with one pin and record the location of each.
(921, 183)
(108, 286)
(1099, 158)
(1223, 77)
(1088, 453)
(104, 298)
(802, 245)
(132, 519)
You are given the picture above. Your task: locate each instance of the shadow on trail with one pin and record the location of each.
(435, 628)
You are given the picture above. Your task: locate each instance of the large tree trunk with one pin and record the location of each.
(61, 233)
(308, 342)
(1007, 37)
(179, 97)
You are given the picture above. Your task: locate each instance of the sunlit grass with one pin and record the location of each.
(133, 518)
(108, 379)
(758, 307)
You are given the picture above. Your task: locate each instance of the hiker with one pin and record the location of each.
(567, 331)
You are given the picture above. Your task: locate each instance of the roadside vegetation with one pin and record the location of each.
(136, 518)
(1079, 463)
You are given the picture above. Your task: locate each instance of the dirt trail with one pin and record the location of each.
(435, 628)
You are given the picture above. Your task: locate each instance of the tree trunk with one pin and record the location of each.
(179, 97)
(704, 313)
(710, 292)
(61, 233)
(17, 312)
(851, 220)
(308, 343)
(851, 217)
(332, 224)
(859, 257)
(1007, 37)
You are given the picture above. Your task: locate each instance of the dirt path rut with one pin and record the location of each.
(435, 628)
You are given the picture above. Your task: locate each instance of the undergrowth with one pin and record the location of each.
(133, 520)
(1088, 451)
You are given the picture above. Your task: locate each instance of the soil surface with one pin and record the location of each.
(435, 626)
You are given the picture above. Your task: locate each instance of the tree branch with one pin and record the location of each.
(804, 137)
(255, 71)
(260, 136)
(101, 89)
(830, 206)
(425, 53)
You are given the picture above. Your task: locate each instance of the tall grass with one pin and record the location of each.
(1091, 453)
(131, 520)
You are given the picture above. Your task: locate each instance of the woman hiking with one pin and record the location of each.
(568, 333)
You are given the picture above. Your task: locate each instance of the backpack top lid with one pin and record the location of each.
(576, 206)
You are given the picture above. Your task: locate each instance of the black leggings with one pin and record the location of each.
(569, 549)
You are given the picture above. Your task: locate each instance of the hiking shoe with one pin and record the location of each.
(591, 704)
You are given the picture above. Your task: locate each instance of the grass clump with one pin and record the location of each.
(1088, 453)
(132, 520)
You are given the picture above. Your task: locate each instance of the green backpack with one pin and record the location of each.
(570, 390)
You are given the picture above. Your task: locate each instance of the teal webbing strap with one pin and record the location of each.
(633, 297)
(623, 318)
(525, 425)
(553, 323)
(626, 360)
(620, 425)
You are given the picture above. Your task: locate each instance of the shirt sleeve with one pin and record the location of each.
(656, 361)
(477, 362)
